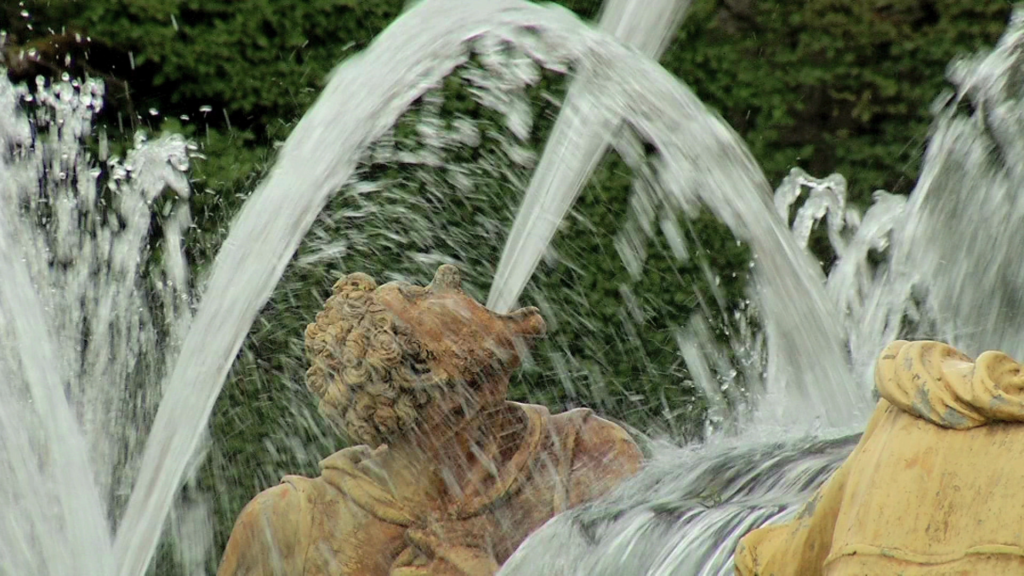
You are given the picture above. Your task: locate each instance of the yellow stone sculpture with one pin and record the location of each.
(930, 489)
(451, 477)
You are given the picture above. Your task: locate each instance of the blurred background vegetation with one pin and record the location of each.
(827, 85)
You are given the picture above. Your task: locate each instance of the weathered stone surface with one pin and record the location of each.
(930, 488)
(451, 477)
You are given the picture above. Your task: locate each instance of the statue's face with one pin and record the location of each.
(466, 341)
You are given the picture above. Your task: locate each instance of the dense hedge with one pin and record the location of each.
(830, 85)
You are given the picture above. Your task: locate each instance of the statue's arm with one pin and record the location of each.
(797, 547)
(267, 535)
(800, 546)
(604, 455)
(446, 558)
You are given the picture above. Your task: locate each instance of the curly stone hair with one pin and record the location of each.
(371, 375)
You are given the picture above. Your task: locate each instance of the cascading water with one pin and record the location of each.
(576, 144)
(66, 406)
(966, 209)
(685, 513)
(84, 323)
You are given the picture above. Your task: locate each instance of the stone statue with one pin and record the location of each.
(930, 489)
(452, 477)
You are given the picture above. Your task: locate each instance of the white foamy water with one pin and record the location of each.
(684, 513)
(83, 326)
(89, 319)
(703, 159)
(577, 142)
(955, 236)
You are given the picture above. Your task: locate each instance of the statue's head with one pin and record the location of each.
(384, 358)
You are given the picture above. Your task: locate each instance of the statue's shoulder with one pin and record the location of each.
(599, 453)
(272, 530)
(603, 438)
(292, 502)
(936, 382)
(284, 529)
(577, 417)
(537, 414)
(603, 455)
(583, 429)
(283, 502)
(352, 475)
(348, 459)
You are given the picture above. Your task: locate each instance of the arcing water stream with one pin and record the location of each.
(954, 237)
(86, 322)
(676, 518)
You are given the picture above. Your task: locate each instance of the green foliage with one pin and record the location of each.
(402, 219)
(829, 85)
(259, 61)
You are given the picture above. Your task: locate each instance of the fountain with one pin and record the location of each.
(91, 501)
(665, 521)
(449, 476)
(84, 306)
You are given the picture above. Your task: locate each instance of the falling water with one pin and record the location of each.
(685, 513)
(577, 142)
(82, 323)
(959, 251)
(54, 409)
(681, 515)
(702, 160)
(363, 98)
